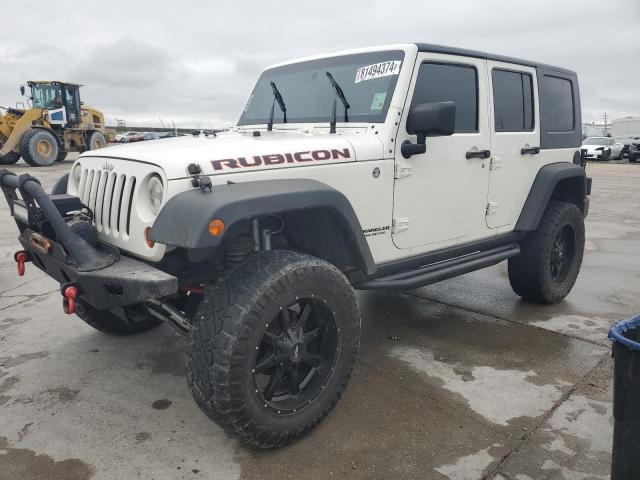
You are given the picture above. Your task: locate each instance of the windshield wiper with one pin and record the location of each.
(345, 104)
(276, 98)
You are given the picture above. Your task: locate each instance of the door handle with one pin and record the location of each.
(478, 154)
(530, 151)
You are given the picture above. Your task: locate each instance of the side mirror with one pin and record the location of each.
(22, 90)
(435, 119)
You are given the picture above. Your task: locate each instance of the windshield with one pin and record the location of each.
(367, 80)
(46, 96)
(596, 141)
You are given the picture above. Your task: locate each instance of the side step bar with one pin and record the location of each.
(442, 270)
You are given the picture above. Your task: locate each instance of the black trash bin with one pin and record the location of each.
(625, 458)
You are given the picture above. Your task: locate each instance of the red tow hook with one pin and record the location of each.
(21, 258)
(69, 302)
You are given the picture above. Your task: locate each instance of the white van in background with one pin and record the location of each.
(625, 130)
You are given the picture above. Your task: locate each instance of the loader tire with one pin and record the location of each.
(10, 158)
(39, 147)
(61, 156)
(96, 140)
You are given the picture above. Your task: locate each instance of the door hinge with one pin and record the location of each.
(403, 170)
(495, 163)
(400, 224)
(492, 207)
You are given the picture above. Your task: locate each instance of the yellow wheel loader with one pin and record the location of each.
(57, 123)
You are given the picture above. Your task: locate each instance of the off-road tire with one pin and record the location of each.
(138, 320)
(61, 156)
(530, 273)
(29, 147)
(231, 322)
(95, 140)
(10, 158)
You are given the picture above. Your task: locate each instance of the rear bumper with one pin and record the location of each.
(102, 276)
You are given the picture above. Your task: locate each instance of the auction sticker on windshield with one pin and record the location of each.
(377, 70)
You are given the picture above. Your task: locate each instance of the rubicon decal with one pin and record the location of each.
(281, 158)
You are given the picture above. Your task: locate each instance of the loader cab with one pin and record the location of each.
(55, 96)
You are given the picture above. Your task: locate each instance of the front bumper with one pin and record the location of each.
(103, 277)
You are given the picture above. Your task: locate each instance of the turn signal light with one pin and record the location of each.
(147, 237)
(216, 227)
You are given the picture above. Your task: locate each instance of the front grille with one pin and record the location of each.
(109, 195)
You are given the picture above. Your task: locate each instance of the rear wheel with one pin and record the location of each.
(550, 258)
(96, 140)
(61, 156)
(134, 319)
(10, 158)
(39, 147)
(273, 346)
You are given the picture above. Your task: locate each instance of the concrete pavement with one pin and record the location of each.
(458, 380)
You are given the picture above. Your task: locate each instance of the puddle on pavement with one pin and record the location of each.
(590, 328)
(14, 361)
(497, 395)
(469, 466)
(24, 464)
(169, 357)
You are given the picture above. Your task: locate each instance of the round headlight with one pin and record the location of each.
(76, 173)
(156, 192)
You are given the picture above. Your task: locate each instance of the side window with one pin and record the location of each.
(558, 93)
(512, 101)
(442, 82)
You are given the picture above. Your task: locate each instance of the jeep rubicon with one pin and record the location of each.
(381, 168)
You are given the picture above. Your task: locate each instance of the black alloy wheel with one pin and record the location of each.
(562, 253)
(296, 356)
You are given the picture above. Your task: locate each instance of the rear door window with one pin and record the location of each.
(512, 101)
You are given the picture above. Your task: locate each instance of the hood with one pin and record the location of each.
(235, 152)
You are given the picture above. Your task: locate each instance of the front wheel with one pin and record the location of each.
(39, 147)
(96, 140)
(550, 258)
(273, 346)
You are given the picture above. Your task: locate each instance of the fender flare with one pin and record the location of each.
(184, 219)
(543, 188)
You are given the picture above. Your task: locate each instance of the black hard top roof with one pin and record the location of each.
(428, 47)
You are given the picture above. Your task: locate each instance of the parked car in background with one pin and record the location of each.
(126, 136)
(138, 137)
(634, 150)
(150, 136)
(602, 148)
(165, 134)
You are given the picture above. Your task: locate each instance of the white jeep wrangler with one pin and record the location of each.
(380, 168)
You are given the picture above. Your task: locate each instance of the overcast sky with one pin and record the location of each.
(195, 62)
